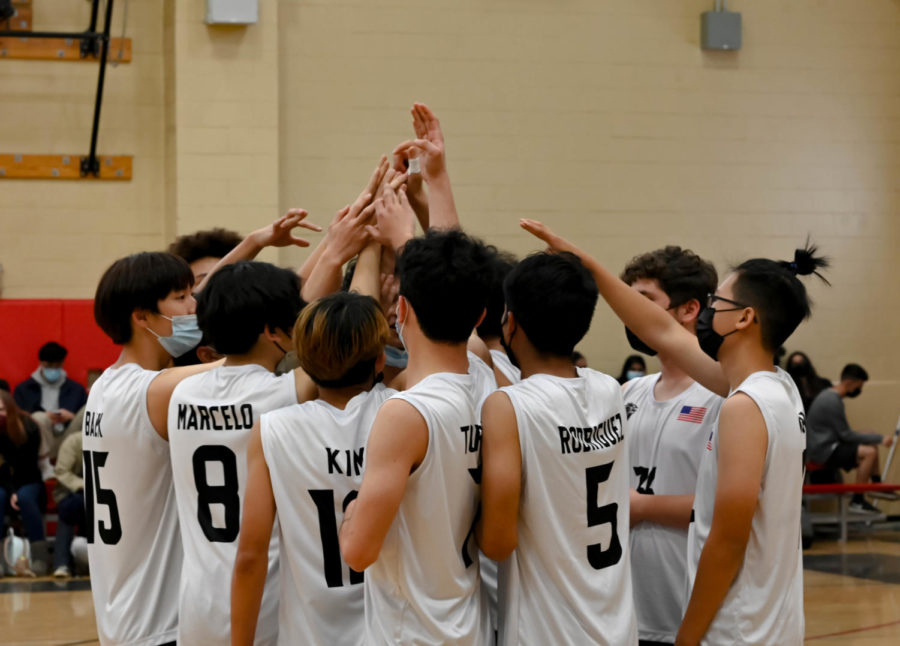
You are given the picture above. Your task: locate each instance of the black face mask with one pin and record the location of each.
(710, 340)
(509, 352)
(854, 393)
(637, 344)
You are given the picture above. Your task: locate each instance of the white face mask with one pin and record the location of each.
(185, 334)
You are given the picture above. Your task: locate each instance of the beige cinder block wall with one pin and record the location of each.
(606, 120)
(57, 237)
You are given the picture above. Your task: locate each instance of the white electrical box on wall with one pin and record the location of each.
(232, 12)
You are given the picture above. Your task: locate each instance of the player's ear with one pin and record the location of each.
(481, 318)
(380, 363)
(689, 311)
(140, 317)
(748, 316)
(402, 309)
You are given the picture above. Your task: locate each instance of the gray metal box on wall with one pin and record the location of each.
(232, 12)
(720, 30)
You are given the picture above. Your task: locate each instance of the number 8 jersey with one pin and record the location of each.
(210, 418)
(569, 580)
(132, 527)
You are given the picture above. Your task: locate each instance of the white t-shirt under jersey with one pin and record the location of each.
(666, 440)
(424, 588)
(504, 365)
(133, 544)
(570, 580)
(315, 454)
(765, 602)
(210, 418)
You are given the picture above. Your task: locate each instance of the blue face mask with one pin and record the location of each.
(634, 374)
(395, 357)
(185, 335)
(52, 375)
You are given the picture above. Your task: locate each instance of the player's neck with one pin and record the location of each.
(340, 397)
(533, 363)
(259, 355)
(741, 361)
(427, 358)
(493, 343)
(145, 352)
(672, 380)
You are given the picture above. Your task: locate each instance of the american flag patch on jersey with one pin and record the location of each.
(693, 414)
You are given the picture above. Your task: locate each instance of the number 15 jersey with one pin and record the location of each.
(570, 580)
(210, 418)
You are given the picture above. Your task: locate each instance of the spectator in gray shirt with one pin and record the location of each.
(831, 442)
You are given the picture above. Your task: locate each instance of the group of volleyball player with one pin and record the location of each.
(436, 470)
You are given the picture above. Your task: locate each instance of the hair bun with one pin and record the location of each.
(807, 262)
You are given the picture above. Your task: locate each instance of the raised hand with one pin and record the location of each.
(428, 145)
(395, 221)
(543, 232)
(279, 233)
(347, 233)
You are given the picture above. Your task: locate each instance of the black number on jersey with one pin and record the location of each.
(646, 475)
(466, 557)
(607, 514)
(224, 494)
(333, 564)
(94, 492)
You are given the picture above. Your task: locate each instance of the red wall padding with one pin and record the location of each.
(26, 325)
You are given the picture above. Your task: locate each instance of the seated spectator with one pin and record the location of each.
(808, 381)
(52, 399)
(69, 497)
(634, 367)
(830, 440)
(21, 485)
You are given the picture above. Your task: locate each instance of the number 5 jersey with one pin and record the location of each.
(210, 418)
(569, 581)
(132, 527)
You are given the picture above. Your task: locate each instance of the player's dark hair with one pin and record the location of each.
(552, 296)
(499, 265)
(854, 371)
(213, 243)
(52, 352)
(442, 276)
(240, 300)
(339, 337)
(138, 281)
(681, 274)
(773, 289)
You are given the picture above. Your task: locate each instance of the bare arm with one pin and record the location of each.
(672, 511)
(649, 321)
(372, 187)
(743, 443)
(501, 478)
(251, 564)
(367, 276)
(160, 392)
(346, 236)
(277, 234)
(397, 445)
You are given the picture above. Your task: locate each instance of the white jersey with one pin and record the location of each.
(315, 455)
(210, 418)
(765, 602)
(424, 588)
(505, 366)
(570, 581)
(485, 383)
(666, 440)
(133, 544)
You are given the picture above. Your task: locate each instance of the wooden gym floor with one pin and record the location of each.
(852, 598)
